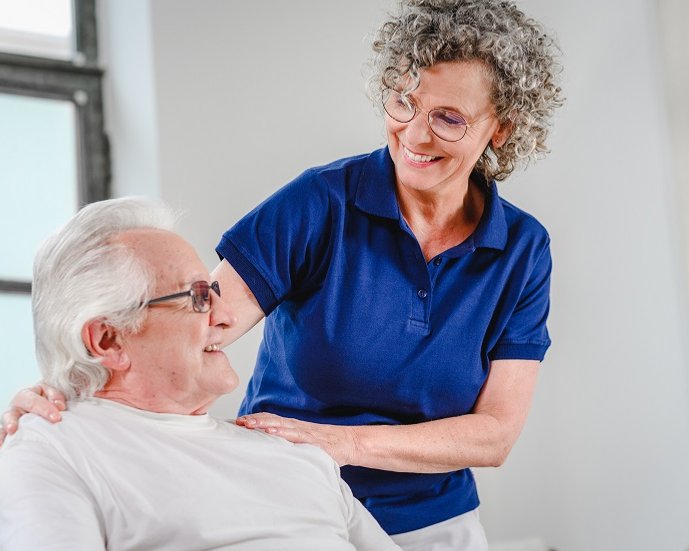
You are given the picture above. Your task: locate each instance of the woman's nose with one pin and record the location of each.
(417, 130)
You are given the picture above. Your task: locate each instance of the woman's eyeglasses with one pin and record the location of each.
(447, 125)
(200, 293)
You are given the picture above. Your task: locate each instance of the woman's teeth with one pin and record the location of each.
(212, 348)
(419, 158)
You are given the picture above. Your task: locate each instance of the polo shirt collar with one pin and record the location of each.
(376, 195)
(491, 231)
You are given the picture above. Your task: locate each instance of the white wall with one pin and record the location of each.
(673, 26)
(602, 462)
(125, 42)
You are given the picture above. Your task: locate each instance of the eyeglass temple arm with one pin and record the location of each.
(169, 297)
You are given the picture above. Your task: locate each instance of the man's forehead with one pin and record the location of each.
(171, 257)
(145, 237)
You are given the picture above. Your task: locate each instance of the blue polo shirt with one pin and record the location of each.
(361, 330)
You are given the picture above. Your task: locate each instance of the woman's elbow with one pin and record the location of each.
(499, 453)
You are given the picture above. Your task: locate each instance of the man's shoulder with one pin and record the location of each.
(76, 419)
(278, 445)
(32, 428)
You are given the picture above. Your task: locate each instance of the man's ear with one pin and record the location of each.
(501, 135)
(105, 343)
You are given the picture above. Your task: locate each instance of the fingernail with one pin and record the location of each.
(250, 421)
(60, 404)
(54, 416)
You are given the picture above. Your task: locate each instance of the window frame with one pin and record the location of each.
(80, 81)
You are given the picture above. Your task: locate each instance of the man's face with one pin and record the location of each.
(172, 357)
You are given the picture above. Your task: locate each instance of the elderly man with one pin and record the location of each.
(128, 328)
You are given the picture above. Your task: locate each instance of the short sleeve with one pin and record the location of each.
(282, 246)
(44, 504)
(525, 336)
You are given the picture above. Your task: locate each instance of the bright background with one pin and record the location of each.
(214, 104)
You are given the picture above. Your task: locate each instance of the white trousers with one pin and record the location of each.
(462, 533)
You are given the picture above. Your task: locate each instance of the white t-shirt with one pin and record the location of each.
(113, 477)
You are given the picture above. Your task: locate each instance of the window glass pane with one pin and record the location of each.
(38, 177)
(19, 367)
(37, 27)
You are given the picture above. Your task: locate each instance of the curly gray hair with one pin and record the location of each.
(518, 54)
(83, 273)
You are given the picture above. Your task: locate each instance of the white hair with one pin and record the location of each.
(81, 274)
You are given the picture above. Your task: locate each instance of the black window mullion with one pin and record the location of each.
(86, 35)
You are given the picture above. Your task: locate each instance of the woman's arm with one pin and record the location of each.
(241, 301)
(479, 439)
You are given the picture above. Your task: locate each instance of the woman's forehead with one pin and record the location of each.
(462, 83)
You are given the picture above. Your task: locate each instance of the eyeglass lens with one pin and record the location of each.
(201, 294)
(447, 125)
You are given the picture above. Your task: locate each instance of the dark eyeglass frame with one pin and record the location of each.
(200, 293)
(388, 92)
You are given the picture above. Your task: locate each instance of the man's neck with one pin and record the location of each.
(156, 402)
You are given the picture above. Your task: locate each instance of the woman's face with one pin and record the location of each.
(424, 162)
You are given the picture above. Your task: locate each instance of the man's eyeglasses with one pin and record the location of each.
(447, 125)
(200, 293)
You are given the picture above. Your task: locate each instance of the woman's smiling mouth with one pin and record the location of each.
(417, 158)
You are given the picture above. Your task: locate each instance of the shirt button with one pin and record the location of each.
(437, 261)
(422, 293)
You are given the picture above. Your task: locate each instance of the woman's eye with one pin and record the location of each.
(449, 118)
(405, 104)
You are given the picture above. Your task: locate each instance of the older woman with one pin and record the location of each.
(405, 301)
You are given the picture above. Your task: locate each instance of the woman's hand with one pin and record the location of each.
(337, 441)
(40, 399)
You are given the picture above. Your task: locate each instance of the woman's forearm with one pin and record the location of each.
(474, 440)
(482, 438)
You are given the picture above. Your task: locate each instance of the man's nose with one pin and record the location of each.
(221, 314)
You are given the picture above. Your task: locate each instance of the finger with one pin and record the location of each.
(10, 421)
(29, 401)
(292, 434)
(261, 420)
(55, 396)
(3, 434)
(241, 421)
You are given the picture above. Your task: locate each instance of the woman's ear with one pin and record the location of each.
(104, 342)
(501, 135)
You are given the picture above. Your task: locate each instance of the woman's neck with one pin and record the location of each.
(441, 221)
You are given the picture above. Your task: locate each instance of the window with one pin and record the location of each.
(53, 152)
(37, 27)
